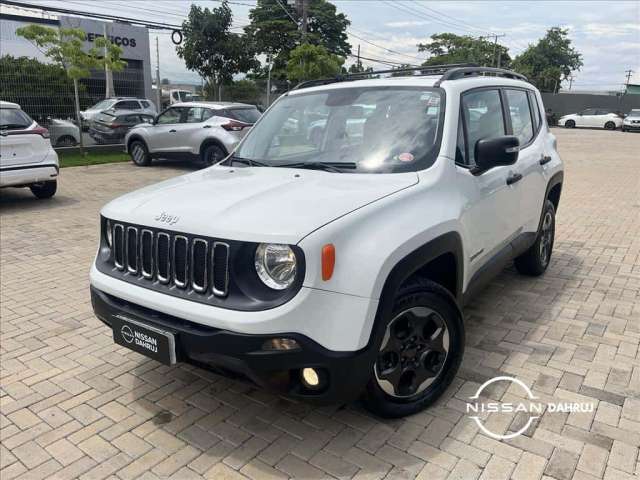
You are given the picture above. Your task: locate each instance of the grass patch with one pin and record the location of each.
(75, 159)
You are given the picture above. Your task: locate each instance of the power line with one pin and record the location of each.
(384, 48)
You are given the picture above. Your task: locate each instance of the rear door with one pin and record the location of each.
(21, 139)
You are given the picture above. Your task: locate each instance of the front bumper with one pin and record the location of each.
(631, 126)
(344, 374)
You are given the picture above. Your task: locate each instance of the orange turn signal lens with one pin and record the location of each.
(328, 261)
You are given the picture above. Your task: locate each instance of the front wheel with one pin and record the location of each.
(213, 154)
(45, 189)
(570, 124)
(536, 259)
(139, 153)
(610, 126)
(420, 352)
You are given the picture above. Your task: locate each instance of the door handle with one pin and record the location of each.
(513, 178)
(172, 131)
(206, 126)
(544, 159)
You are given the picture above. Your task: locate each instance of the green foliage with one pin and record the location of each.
(64, 47)
(42, 90)
(244, 91)
(357, 67)
(309, 62)
(211, 49)
(446, 48)
(549, 61)
(275, 33)
(77, 159)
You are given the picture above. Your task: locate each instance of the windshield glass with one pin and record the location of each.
(366, 130)
(14, 119)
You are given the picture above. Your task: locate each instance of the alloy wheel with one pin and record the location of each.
(138, 153)
(546, 238)
(413, 352)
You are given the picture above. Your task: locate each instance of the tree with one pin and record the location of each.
(64, 46)
(357, 67)
(211, 49)
(446, 48)
(244, 91)
(274, 31)
(549, 61)
(309, 62)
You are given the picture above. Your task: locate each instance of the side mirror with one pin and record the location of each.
(495, 152)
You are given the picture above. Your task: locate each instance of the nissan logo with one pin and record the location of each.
(127, 334)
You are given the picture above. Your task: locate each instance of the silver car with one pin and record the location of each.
(206, 131)
(63, 133)
(138, 105)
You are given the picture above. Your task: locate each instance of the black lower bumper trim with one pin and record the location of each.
(237, 354)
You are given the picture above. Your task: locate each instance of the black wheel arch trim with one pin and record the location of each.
(135, 138)
(448, 243)
(556, 179)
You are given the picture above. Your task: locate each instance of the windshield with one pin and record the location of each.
(14, 119)
(366, 130)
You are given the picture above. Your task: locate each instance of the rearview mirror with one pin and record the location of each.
(494, 152)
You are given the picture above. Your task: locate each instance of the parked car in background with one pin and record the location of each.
(112, 126)
(206, 131)
(63, 133)
(592, 118)
(139, 105)
(27, 158)
(632, 121)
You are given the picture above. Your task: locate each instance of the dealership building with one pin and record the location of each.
(133, 80)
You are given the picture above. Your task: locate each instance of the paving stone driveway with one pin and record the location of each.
(73, 404)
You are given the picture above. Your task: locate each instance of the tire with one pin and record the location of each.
(536, 259)
(212, 154)
(570, 124)
(45, 189)
(139, 153)
(66, 141)
(610, 126)
(419, 307)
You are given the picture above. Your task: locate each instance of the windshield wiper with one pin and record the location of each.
(336, 167)
(245, 161)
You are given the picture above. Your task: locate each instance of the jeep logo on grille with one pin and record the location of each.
(166, 218)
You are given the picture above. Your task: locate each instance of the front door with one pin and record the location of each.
(163, 136)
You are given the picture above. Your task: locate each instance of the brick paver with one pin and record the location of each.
(75, 405)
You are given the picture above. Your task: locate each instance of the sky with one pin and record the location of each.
(607, 34)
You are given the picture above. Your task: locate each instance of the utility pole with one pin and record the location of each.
(358, 64)
(158, 86)
(302, 7)
(571, 79)
(270, 60)
(496, 61)
(628, 75)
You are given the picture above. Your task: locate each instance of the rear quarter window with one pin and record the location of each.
(246, 115)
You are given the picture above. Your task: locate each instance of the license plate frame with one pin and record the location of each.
(145, 339)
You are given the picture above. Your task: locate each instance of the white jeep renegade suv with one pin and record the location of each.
(334, 265)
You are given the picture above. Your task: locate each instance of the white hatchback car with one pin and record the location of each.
(27, 158)
(592, 118)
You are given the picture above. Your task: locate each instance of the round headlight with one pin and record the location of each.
(109, 233)
(275, 265)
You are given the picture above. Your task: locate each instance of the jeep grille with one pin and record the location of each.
(198, 264)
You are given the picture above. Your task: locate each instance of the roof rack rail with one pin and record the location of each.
(463, 72)
(452, 71)
(424, 70)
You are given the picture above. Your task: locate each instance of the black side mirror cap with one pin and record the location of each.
(495, 152)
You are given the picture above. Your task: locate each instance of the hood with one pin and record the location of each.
(259, 204)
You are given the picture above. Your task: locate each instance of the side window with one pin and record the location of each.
(588, 111)
(127, 105)
(194, 115)
(520, 115)
(171, 115)
(483, 118)
(133, 119)
(207, 113)
(537, 120)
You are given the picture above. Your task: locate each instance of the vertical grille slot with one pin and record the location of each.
(180, 261)
(199, 265)
(118, 246)
(132, 249)
(146, 253)
(162, 257)
(220, 268)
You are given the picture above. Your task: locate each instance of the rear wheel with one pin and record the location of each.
(610, 126)
(213, 154)
(570, 124)
(44, 189)
(419, 354)
(139, 153)
(66, 141)
(536, 259)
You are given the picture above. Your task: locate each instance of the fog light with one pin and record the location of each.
(310, 378)
(280, 344)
